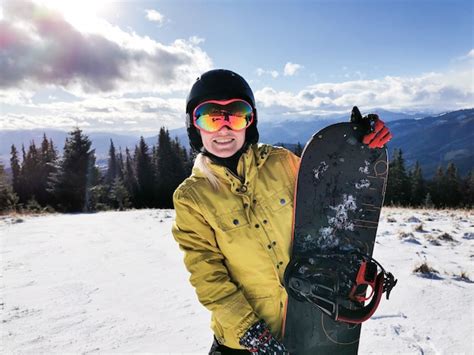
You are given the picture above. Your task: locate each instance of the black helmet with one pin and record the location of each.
(219, 84)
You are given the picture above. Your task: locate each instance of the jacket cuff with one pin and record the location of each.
(245, 325)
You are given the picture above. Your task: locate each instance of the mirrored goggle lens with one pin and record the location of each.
(212, 116)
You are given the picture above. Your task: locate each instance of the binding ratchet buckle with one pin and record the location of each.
(339, 284)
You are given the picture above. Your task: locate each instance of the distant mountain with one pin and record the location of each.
(388, 116)
(100, 141)
(292, 131)
(432, 140)
(436, 140)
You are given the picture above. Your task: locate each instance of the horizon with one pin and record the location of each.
(152, 134)
(126, 67)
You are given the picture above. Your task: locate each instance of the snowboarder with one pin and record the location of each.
(234, 215)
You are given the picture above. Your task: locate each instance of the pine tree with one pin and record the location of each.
(298, 149)
(16, 172)
(48, 160)
(96, 192)
(453, 196)
(437, 188)
(8, 198)
(144, 175)
(70, 182)
(120, 164)
(31, 174)
(467, 190)
(170, 169)
(186, 158)
(112, 168)
(427, 201)
(398, 184)
(120, 195)
(129, 177)
(43, 158)
(418, 186)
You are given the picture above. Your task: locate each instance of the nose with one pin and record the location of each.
(224, 129)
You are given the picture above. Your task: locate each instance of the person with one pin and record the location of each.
(234, 215)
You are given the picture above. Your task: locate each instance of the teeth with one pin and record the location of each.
(224, 140)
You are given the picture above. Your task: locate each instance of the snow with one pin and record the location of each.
(320, 170)
(115, 282)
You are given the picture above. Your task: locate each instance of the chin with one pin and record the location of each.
(225, 154)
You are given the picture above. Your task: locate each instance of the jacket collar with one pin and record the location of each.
(247, 168)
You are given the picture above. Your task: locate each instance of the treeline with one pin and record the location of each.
(144, 178)
(445, 190)
(41, 180)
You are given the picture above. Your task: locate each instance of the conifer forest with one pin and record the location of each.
(42, 180)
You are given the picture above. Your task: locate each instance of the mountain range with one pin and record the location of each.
(433, 140)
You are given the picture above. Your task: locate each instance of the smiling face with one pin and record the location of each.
(224, 143)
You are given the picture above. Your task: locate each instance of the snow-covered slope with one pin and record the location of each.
(115, 282)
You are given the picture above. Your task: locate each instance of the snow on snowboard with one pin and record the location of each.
(332, 281)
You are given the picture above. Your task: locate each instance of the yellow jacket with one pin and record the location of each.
(236, 240)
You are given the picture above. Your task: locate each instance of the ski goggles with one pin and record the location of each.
(212, 115)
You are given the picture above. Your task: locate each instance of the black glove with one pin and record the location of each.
(376, 133)
(258, 339)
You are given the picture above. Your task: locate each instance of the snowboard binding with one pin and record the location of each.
(337, 283)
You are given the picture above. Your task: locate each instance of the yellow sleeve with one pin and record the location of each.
(209, 275)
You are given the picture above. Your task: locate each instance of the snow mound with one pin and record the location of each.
(468, 236)
(413, 219)
(10, 220)
(409, 238)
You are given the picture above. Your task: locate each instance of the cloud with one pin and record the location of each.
(100, 114)
(430, 92)
(291, 69)
(196, 40)
(261, 72)
(40, 48)
(470, 54)
(468, 58)
(351, 75)
(155, 16)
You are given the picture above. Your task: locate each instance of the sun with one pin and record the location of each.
(82, 14)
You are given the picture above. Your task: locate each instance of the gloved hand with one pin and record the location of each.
(258, 339)
(378, 134)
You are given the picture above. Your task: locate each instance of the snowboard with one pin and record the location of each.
(339, 193)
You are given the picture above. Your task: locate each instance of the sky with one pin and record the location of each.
(127, 66)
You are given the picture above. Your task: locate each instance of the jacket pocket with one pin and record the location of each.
(232, 221)
(280, 199)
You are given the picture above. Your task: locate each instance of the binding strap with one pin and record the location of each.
(322, 281)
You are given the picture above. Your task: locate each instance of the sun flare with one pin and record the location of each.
(82, 14)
